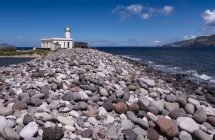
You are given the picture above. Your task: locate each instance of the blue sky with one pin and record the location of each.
(106, 22)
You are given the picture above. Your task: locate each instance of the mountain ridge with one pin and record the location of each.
(201, 41)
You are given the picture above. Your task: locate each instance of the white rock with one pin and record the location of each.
(49, 124)
(152, 116)
(44, 107)
(29, 130)
(93, 121)
(187, 124)
(100, 75)
(83, 95)
(195, 102)
(123, 117)
(74, 113)
(65, 120)
(132, 99)
(143, 92)
(69, 127)
(103, 92)
(109, 119)
(3, 123)
(149, 82)
(102, 112)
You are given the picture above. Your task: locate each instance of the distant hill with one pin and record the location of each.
(7, 47)
(201, 41)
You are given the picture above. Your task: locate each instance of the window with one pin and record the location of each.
(68, 44)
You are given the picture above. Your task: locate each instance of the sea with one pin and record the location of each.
(196, 62)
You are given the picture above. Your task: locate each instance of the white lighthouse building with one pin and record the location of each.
(55, 43)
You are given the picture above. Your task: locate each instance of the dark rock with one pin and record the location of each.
(112, 98)
(126, 95)
(200, 135)
(121, 107)
(178, 112)
(86, 133)
(36, 102)
(211, 120)
(134, 107)
(108, 106)
(27, 118)
(129, 134)
(51, 133)
(141, 114)
(46, 91)
(152, 134)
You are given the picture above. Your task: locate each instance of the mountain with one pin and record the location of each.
(201, 41)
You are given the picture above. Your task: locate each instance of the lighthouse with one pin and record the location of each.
(67, 33)
(59, 43)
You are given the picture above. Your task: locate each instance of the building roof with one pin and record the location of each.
(56, 39)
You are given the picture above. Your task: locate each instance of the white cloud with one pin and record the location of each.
(145, 16)
(141, 11)
(167, 10)
(135, 8)
(209, 17)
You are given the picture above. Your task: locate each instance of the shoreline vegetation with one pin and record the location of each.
(10, 51)
(86, 93)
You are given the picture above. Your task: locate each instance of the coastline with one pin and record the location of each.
(22, 56)
(88, 93)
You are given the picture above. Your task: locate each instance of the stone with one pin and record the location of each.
(201, 135)
(200, 116)
(181, 100)
(152, 134)
(140, 131)
(10, 134)
(170, 98)
(158, 104)
(102, 112)
(183, 135)
(5, 111)
(211, 120)
(171, 106)
(65, 120)
(131, 116)
(129, 134)
(187, 124)
(19, 105)
(86, 133)
(194, 102)
(149, 82)
(103, 92)
(108, 106)
(119, 93)
(112, 132)
(83, 105)
(153, 110)
(168, 127)
(3, 123)
(134, 107)
(190, 108)
(120, 108)
(93, 121)
(29, 130)
(127, 124)
(53, 133)
(36, 102)
(152, 116)
(27, 118)
(178, 112)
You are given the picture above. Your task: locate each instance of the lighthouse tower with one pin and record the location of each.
(67, 33)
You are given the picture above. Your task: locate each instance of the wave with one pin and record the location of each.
(192, 74)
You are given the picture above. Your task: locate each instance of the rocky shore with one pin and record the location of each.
(84, 94)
